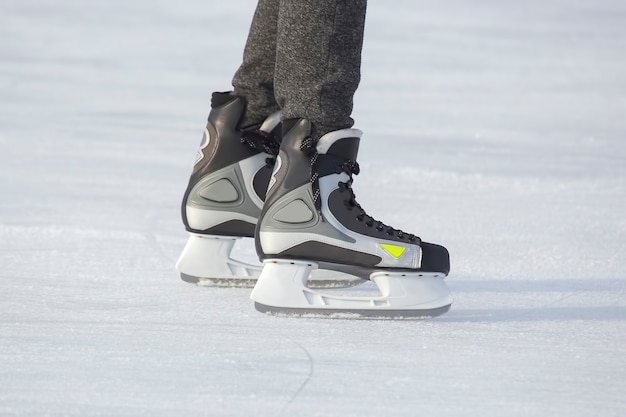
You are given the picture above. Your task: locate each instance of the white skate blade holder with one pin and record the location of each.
(206, 260)
(281, 289)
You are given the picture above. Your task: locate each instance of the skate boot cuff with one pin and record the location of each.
(220, 98)
(343, 148)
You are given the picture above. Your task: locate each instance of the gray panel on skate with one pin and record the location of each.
(295, 212)
(200, 196)
(315, 225)
(221, 191)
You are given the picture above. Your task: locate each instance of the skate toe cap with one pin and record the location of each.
(435, 258)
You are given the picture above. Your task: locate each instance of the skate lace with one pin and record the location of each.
(309, 147)
(262, 141)
(352, 168)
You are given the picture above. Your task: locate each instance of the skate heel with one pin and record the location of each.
(206, 260)
(283, 282)
(281, 289)
(419, 291)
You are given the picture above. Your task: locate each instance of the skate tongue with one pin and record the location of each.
(343, 143)
(270, 123)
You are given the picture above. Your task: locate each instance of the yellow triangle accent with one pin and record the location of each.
(394, 250)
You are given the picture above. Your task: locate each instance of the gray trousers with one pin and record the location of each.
(304, 58)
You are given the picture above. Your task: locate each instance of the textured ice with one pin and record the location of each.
(492, 127)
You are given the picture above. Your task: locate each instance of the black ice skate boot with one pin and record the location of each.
(225, 196)
(311, 220)
(225, 193)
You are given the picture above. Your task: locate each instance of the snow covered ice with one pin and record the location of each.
(495, 128)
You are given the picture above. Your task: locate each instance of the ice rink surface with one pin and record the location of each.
(495, 128)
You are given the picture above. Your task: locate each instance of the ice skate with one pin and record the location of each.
(311, 220)
(225, 195)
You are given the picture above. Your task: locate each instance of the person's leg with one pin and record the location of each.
(318, 60)
(254, 79)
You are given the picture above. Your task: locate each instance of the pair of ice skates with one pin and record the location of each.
(294, 196)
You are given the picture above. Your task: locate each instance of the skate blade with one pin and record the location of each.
(281, 290)
(328, 281)
(226, 282)
(352, 314)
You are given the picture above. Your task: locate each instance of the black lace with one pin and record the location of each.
(262, 141)
(352, 168)
(309, 147)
